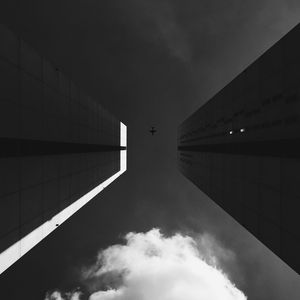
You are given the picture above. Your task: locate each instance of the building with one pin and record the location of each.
(58, 148)
(242, 148)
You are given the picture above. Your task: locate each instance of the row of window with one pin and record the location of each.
(290, 120)
(293, 98)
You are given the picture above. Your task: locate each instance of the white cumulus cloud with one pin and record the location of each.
(57, 295)
(152, 266)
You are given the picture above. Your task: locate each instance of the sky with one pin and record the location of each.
(151, 63)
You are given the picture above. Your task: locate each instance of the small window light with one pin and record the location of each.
(230, 132)
(242, 129)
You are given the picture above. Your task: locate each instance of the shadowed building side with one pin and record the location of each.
(58, 148)
(242, 148)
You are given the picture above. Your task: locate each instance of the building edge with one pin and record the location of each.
(13, 253)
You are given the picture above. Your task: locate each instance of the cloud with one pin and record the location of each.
(212, 252)
(57, 295)
(152, 266)
(167, 28)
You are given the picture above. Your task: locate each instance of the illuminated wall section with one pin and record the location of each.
(58, 148)
(242, 148)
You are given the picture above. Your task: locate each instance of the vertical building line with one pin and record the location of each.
(281, 207)
(20, 133)
(43, 129)
(259, 200)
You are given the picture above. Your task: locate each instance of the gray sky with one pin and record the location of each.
(150, 62)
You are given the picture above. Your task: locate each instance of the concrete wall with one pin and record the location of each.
(39, 104)
(254, 173)
(37, 101)
(264, 100)
(34, 189)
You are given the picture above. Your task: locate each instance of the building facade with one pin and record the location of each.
(58, 148)
(242, 148)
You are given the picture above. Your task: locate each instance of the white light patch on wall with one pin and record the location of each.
(17, 250)
(123, 142)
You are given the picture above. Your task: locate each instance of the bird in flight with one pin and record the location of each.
(153, 130)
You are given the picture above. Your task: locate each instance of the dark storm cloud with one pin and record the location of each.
(153, 62)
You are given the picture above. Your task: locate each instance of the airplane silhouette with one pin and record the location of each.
(153, 130)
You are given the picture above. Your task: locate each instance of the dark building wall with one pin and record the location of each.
(242, 148)
(35, 188)
(44, 103)
(56, 143)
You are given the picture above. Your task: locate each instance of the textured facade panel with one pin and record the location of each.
(58, 148)
(9, 82)
(242, 148)
(30, 60)
(10, 44)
